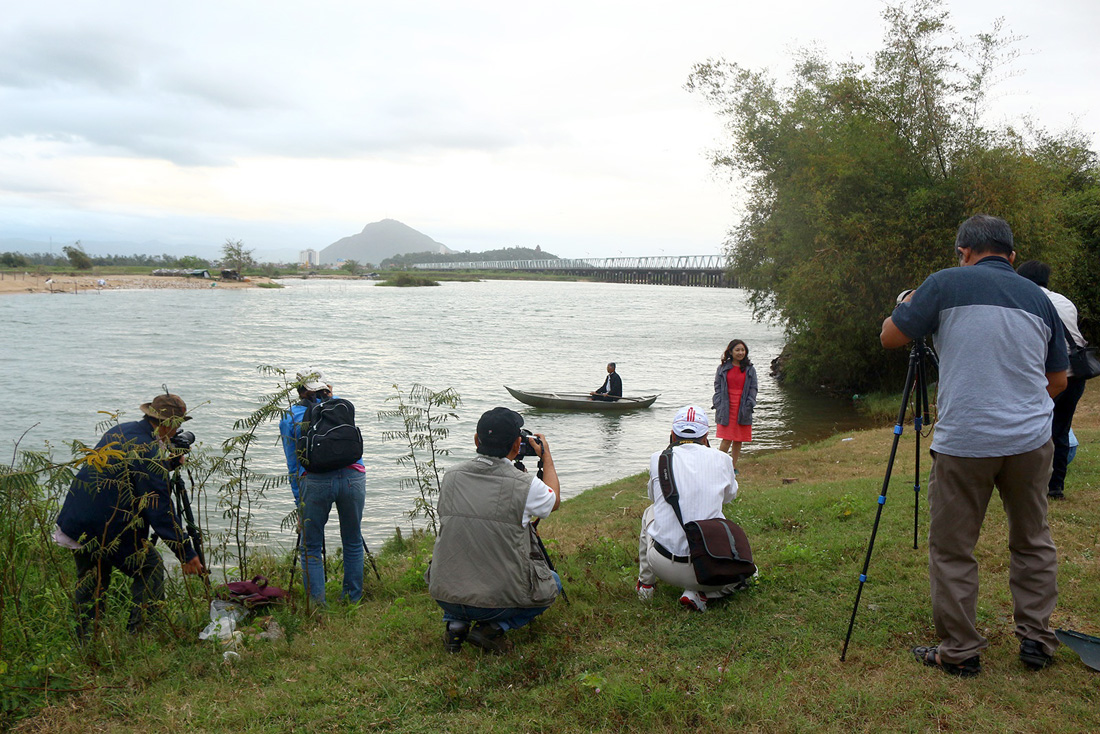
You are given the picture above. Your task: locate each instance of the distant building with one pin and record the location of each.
(309, 258)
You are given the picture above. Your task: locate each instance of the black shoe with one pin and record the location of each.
(1032, 655)
(453, 635)
(490, 638)
(1055, 496)
(966, 669)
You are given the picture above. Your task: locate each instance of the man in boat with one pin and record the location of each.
(612, 388)
(1002, 358)
(114, 503)
(705, 481)
(488, 572)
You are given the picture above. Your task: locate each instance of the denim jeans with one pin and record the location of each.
(509, 618)
(346, 488)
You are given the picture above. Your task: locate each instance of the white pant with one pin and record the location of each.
(652, 566)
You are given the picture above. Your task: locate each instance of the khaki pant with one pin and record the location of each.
(958, 493)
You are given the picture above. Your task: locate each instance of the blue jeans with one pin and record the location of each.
(509, 618)
(347, 489)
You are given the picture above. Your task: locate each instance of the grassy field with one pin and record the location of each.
(766, 660)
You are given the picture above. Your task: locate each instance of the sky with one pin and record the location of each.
(483, 124)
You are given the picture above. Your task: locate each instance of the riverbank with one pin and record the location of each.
(69, 284)
(766, 660)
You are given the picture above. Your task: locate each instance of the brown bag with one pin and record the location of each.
(718, 548)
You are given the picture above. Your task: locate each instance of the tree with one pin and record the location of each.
(13, 260)
(77, 257)
(194, 262)
(352, 266)
(858, 175)
(236, 257)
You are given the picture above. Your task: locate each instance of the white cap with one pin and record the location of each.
(312, 379)
(690, 422)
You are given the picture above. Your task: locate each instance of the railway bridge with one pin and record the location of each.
(695, 270)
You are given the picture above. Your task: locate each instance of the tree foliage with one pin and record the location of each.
(857, 176)
(236, 256)
(77, 257)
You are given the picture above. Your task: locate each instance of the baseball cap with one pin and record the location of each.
(497, 430)
(312, 379)
(690, 422)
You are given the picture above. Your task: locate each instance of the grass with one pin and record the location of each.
(405, 280)
(766, 660)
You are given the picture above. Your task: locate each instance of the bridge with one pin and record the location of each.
(697, 270)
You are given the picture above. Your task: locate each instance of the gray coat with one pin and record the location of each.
(720, 403)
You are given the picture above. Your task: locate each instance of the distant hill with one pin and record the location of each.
(381, 240)
(508, 253)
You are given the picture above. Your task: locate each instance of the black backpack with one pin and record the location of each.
(329, 439)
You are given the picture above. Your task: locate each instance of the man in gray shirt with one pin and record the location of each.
(1002, 359)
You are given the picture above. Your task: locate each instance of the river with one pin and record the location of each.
(65, 357)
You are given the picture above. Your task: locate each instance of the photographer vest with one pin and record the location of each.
(484, 557)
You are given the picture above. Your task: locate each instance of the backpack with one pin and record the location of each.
(329, 440)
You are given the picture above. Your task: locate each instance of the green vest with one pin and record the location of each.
(484, 557)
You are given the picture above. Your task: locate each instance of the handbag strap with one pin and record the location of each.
(668, 483)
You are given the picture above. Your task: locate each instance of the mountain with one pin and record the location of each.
(378, 241)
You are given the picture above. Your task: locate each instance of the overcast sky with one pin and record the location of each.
(482, 124)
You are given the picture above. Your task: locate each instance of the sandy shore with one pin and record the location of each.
(70, 284)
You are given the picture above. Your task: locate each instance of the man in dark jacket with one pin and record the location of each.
(111, 506)
(612, 387)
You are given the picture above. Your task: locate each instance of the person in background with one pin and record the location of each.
(1065, 405)
(612, 387)
(734, 400)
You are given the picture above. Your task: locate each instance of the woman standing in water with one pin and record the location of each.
(734, 398)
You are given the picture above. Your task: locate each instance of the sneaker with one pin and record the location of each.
(645, 591)
(490, 638)
(695, 600)
(1032, 655)
(454, 634)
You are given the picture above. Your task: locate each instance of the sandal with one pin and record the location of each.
(966, 669)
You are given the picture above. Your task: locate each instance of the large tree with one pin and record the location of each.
(235, 256)
(77, 257)
(857, 176)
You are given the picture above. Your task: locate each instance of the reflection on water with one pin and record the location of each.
(65, 357)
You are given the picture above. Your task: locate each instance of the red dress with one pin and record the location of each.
(735, 382)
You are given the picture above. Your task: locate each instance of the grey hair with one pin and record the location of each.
(983, 234)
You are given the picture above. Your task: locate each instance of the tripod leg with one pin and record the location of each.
(370, 557)
(909, 379)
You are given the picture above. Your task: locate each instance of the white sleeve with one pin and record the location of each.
(540, 500)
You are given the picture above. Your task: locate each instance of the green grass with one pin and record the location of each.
(405, 280)
(766, 660)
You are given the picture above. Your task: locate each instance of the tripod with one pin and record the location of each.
(916, 384)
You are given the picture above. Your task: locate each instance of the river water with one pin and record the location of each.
(63, 358)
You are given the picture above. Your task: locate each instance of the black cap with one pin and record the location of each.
(497, 430)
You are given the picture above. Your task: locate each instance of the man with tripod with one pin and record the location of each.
(1002, 359)
(110, 509)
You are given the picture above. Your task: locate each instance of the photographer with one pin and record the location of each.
(1002, 358)
(706, 482)
(488, 573)
(109, 511)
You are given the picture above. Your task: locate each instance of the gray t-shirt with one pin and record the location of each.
(997, 335)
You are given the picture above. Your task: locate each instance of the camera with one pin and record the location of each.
(183, 440)
(525, 448)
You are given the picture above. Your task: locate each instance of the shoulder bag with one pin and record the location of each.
(718, 548)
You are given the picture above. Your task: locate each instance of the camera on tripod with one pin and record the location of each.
(181, 441)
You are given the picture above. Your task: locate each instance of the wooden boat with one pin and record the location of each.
(579, 401)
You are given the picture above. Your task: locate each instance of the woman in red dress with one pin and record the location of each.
(734, 399)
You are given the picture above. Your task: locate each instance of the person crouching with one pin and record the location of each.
(705, 481)
(488, 573)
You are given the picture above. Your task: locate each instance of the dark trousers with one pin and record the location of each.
(1064, 406)
(93, 578)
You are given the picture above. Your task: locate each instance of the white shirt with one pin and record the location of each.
(705, 480)
(1067, 312)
